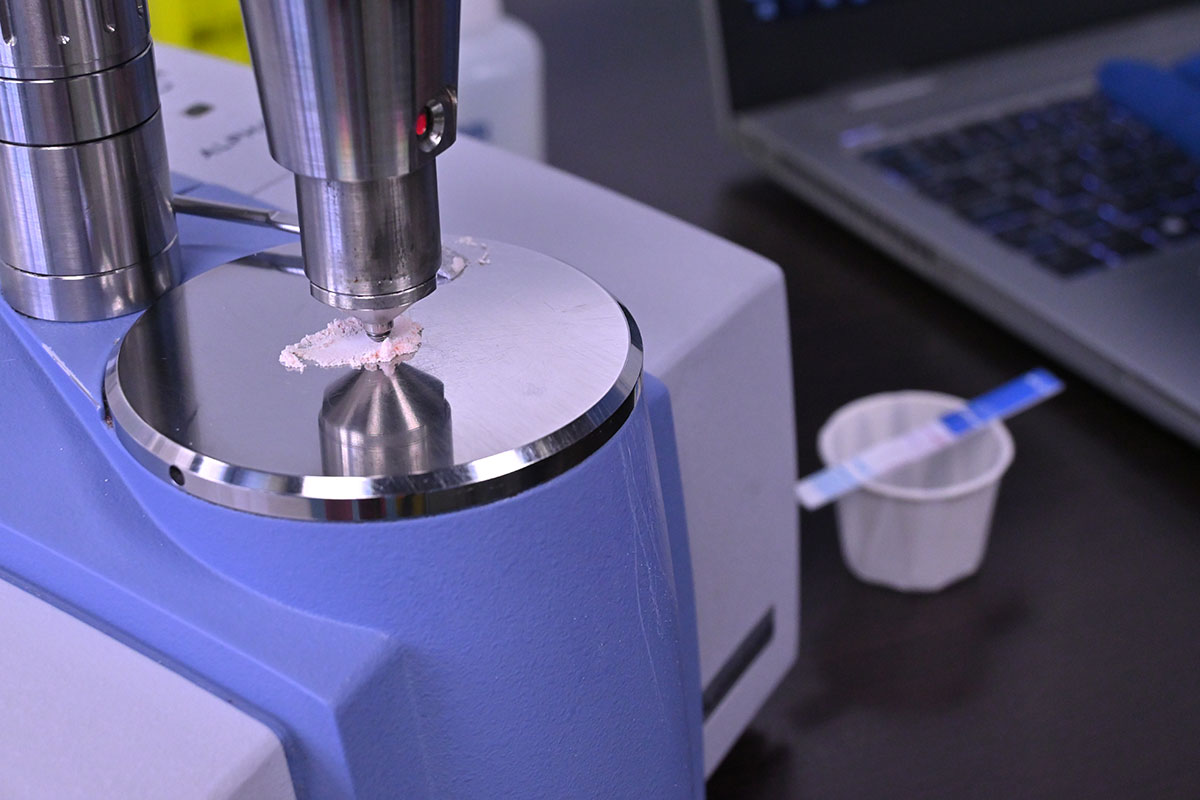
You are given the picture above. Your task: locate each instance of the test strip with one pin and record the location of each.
(1002, 402)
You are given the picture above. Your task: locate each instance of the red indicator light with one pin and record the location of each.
(422, 123)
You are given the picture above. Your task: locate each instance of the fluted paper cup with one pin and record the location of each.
(925, 525)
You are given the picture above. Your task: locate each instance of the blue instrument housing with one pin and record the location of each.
(540, 646)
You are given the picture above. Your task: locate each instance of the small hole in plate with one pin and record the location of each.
(176, 475)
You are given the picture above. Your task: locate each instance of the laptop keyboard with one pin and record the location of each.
(1078, 186)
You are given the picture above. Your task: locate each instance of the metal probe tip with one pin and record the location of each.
(378, 331)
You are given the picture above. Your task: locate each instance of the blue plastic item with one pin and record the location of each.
(1166, 100)
(540, 646)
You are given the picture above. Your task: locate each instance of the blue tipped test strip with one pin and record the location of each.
(1002, 402)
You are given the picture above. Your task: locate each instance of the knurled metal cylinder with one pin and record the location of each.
(86, 228)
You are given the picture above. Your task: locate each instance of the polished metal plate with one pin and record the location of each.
(526, 367)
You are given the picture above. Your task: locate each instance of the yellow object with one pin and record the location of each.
(211, 26)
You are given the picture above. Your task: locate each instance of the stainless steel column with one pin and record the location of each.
(86, 229)
(359, 97)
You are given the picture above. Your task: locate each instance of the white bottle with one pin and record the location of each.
(501, 94)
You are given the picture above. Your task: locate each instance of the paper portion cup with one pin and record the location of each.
(925, 525)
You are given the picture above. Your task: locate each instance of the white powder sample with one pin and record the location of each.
(454, 262)
(453, 265)
(344, 343)
(485, 257)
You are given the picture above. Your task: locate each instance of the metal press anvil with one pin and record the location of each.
(359, 97)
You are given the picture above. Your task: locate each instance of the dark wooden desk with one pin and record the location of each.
(1070, 666)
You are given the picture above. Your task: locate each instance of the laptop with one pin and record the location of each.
(970, 141)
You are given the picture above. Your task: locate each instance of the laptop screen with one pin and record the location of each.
(779, 49)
